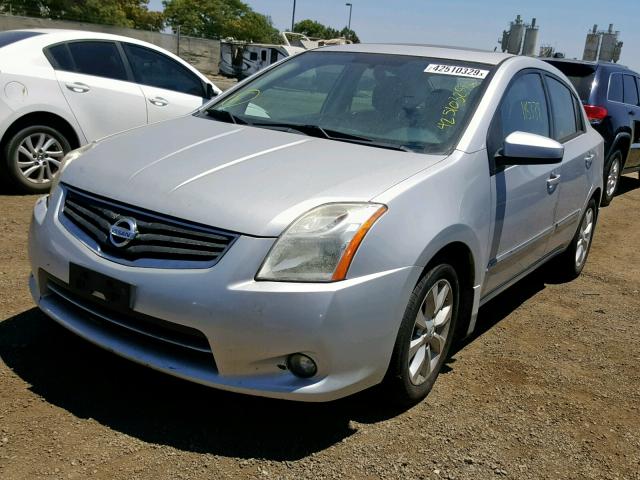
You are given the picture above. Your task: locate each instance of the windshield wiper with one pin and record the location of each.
(225, 116)
(317, 131)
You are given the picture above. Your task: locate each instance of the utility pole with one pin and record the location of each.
(178, 41)
(350, 9)
(293, 15)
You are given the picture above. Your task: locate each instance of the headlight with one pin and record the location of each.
(68, 158)
(319, 246)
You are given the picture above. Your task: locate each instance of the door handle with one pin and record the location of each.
(588, 160)
(159, 102)
(631, 112)
(78, 87)
(552, 182)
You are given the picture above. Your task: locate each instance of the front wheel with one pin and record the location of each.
(425, 335)
(33, 157)
(612, 171)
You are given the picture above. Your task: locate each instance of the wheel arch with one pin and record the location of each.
(460, 256)
(622, 142)
(42, 118)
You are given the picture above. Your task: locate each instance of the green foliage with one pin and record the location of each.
(349, 35)
(122, 13)
(314, 29)
(219, 19)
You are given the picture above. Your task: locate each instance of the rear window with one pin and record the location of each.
(580, 75)
(7, 38)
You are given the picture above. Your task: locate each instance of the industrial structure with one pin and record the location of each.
(602, 45)
(521, 38)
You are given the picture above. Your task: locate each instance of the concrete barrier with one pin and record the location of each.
(202, 53)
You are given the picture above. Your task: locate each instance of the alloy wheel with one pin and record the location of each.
(430, 331)
(612, 178)
(38, 157)
(584, 237)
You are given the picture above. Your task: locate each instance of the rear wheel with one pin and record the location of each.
(33, 157)
(571, 262)
(612, 171)
(425, 336)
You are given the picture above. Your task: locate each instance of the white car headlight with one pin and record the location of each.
(319, 246)
(66, 161)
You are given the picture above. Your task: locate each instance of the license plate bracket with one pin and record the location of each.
(110, 291)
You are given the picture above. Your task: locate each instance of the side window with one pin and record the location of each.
(101, 59)
(630, 90)
(563, 107)
(157, 70)
(60, 58)
(615, 87)
(524, 107)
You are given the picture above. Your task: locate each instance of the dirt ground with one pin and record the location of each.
(549, 388)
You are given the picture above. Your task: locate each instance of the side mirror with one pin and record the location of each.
(210, 91)
(522, 148)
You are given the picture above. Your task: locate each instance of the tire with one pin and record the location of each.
(569, 265)
(32, 157)
(612, 172)
(404, 383)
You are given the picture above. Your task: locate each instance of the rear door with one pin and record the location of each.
(525, 196)
(95, 83)
(170, 89)
(631, 101)
(579, 153)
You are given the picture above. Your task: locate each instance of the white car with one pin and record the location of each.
(61, 89)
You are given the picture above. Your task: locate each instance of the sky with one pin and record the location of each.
(466, 23)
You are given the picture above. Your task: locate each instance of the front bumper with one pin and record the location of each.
(348, 328)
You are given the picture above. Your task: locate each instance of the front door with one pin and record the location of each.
(524, 196)
(170, 89)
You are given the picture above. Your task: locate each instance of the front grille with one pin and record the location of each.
(152, 332)
(158, 237)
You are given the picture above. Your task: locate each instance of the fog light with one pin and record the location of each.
(301, 365)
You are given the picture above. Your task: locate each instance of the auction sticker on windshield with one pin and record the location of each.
(457, 71)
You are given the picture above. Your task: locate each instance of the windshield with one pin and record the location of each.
(390, 101)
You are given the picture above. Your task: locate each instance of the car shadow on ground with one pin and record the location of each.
(628, 183)
(91, 383)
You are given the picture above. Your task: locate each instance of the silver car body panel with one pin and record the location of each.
(256, 182)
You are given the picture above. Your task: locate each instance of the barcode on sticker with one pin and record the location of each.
(457, 71)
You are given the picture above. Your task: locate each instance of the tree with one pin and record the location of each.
(314, 29)
(122, 13)
(219, 19)
(349, 35)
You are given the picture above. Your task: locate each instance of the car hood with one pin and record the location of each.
(235, 177)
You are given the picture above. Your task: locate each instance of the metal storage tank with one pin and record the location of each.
(504, 41)
(592, 45)
(516, 34)
(530, 39)
(609, 45)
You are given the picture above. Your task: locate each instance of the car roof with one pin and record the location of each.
(432, 51)
(65, 34)
(597, 63)
(52, 36)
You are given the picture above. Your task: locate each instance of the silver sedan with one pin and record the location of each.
(332, 223)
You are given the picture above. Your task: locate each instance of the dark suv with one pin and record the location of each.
(611, 98)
